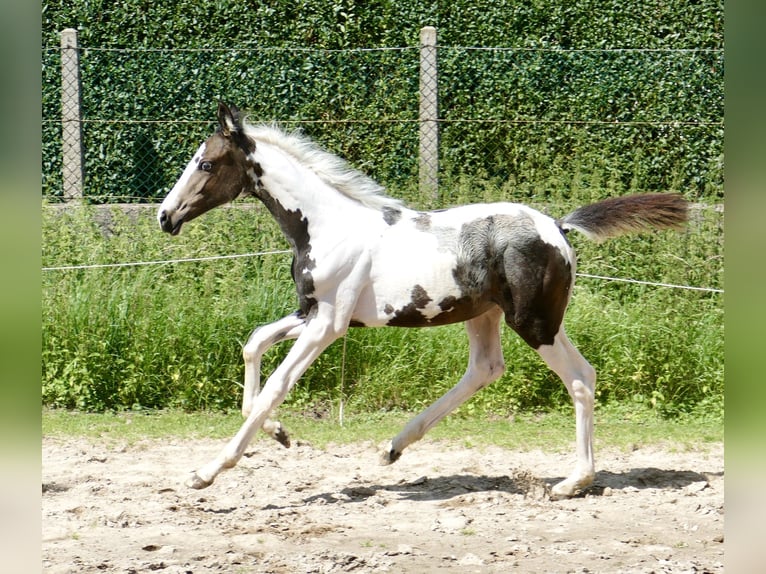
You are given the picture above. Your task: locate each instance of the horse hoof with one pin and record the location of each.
(282, 437)
(389, 456)
(197, 483)
(569, 488)
(561, 494)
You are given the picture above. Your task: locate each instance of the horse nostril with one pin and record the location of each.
(166, 224)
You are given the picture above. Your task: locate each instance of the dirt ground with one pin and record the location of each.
(441, 508)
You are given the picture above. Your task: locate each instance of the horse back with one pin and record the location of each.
(436, 268)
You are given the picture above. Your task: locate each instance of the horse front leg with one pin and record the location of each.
(314, 338)
(258, 343)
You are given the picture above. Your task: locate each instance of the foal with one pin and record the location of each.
(363, 259)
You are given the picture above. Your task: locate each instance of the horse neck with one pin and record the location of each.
(294, 193)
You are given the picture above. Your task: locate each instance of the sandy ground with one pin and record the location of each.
(441, 508)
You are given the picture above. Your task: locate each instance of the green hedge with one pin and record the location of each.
(307, 64)
(151, 72)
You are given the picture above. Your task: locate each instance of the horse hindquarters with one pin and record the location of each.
(535, 289)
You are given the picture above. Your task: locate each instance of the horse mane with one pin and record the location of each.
(331, 169)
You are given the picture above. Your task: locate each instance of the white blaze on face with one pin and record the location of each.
(171, 201)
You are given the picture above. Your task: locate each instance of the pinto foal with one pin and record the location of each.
(363, 259)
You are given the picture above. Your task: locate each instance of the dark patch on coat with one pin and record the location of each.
(420, 297)
(391, 215)
(448, 303)
(503, 260)
(410, 315)
(246, 144)
(423, 222)
(454, 310)
(258, 171)
(459, 309)
(539, 279)
(295, 228)
(355, 323)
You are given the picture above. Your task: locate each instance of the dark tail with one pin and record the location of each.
(628, 214)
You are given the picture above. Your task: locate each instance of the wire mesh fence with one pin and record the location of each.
(542, 119)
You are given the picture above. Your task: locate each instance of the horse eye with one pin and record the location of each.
(205, 165)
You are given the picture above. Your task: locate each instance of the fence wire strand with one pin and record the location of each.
(284, 251)
(162, 262)
(495, 111)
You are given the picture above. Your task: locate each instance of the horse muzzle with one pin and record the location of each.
(167, 224)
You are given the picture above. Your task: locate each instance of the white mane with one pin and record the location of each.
(333, 170)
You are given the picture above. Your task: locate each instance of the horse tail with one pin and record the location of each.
(627, 214)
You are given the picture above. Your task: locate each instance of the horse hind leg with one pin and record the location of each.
(579, 377)
(540, 285)
(258, 343)
(485, 365)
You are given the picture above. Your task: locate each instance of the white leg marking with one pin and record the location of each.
(485, 364)
(316, 335)
(580, 380)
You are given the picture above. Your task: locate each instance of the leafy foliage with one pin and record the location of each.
(171, 335)
(553, 103)
(630, 92)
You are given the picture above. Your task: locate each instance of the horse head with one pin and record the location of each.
(219, 172)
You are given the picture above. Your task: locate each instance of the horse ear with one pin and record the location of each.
(228, 119)
(231, 127)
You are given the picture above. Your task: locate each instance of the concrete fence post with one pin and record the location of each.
(429, 115)
(71, 119)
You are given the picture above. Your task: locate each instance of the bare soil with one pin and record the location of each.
(108, 507)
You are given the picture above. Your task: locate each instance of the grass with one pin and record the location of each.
(170, 336)
(621, 428)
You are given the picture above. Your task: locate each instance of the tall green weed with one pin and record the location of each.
(170, 335)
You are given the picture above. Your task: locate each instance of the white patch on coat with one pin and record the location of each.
(551, 233)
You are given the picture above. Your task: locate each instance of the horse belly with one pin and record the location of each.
(414, 286)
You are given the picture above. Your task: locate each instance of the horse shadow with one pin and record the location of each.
(443, 488)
